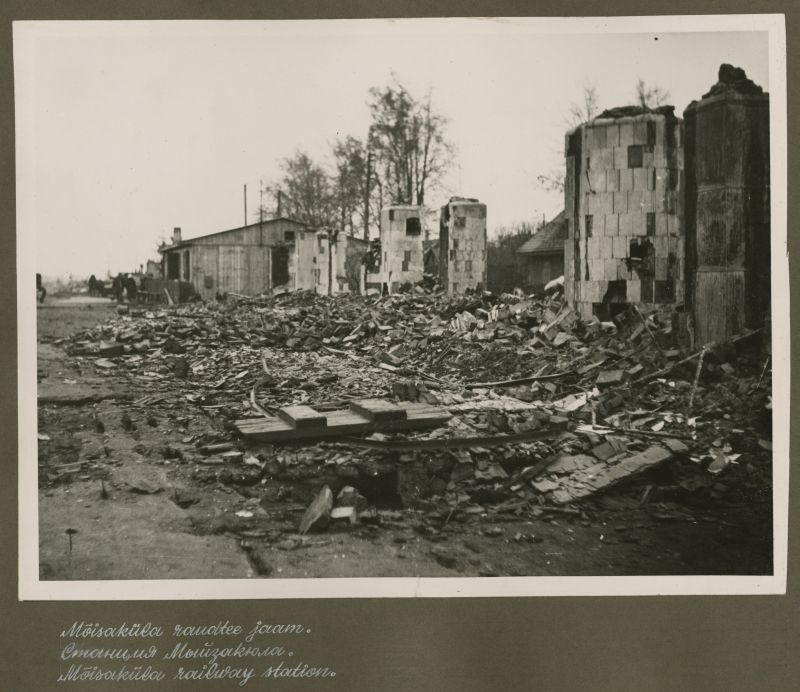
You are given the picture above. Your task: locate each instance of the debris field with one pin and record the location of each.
(415, 434)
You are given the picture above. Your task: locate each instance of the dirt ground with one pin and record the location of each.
(136, 500)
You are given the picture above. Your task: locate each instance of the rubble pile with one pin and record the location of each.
(603, 404)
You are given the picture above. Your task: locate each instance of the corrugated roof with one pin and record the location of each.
(549, 238)
(190, 241)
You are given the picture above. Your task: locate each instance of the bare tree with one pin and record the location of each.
(306, 192)
(409, 142)
(650, 96)
(584, 110)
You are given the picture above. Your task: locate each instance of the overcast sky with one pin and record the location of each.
(132, 128)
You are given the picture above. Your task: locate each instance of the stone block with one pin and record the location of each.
(634, 291)
(602, 159)
(620, 203)
(611, 224)
(661, 224)
(640, 182)
(626, 136)
(610, 270)
(620, 247)
(612, 135)
(661, 268)
(626, 179)
(674, 225)
(648, 202)
(661, 245)
(635, 201)
(612, 180)
(639, 132)
(620, 157)
(639, 223)
(597, 179)
(648, 158)
(651, 179)
(599, 137)
(625, 225)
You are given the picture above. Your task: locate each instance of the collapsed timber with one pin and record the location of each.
(454, 407)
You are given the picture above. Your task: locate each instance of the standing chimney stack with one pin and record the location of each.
(176, 235)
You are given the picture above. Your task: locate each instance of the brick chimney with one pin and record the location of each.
(176, 235)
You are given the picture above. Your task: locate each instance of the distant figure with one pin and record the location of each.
(101, 288)
(117, 287)
(92, 285)
(131, 288)
(41, 291)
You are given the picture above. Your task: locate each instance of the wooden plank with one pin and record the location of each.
(302, 417)
(378, 410)
(342, 422)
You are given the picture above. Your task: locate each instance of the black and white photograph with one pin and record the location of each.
(402, 307)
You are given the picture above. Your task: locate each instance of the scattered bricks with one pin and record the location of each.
(676, 446)
(609, 377)
(612, 446)
(110, 349)
(318, 514)
(350, 497)
(635, 370)
(346, 516)
(565, 463)
(232, 457)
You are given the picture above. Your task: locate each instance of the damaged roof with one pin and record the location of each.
(549, 239)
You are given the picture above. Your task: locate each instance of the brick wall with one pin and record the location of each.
(462, 246)
(624, 203)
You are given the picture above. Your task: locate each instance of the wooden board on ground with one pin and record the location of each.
(303, 417)
(343, 422)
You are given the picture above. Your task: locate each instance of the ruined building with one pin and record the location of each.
(727, 208)
(339, 266)
(643, 228)
(462, 245)
(624, 207)
(401, 259)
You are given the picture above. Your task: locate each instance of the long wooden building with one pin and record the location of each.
(249, 260)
